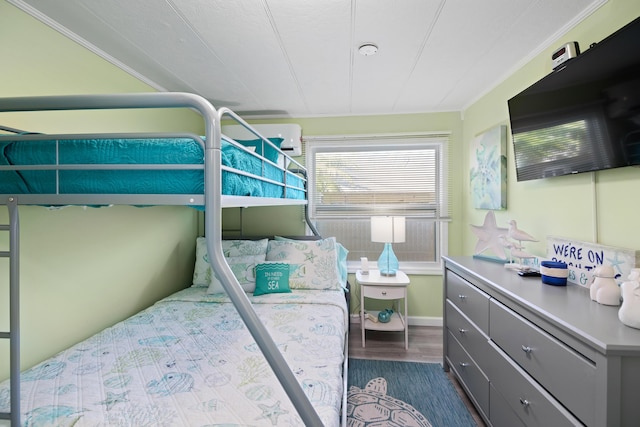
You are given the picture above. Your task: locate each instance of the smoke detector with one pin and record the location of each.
(368, 49)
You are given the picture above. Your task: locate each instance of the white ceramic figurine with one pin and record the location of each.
(629, 312)
(604, 289)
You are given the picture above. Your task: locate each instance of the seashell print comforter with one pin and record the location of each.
(188, 360)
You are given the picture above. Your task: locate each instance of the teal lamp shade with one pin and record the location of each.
(388, 230)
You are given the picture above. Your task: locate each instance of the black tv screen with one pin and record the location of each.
(584, 116)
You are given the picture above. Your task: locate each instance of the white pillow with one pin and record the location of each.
(202, 273)
(243, 267)
(312, 264)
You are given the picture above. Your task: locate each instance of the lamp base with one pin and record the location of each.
(388, 273)
(388, 262)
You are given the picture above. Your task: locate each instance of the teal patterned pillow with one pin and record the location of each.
(312, 264)
(243, 267)
(342, 258)
(202, 273)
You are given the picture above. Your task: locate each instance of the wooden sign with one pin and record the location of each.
(583, 258)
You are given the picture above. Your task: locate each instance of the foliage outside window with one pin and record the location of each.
(355, 177)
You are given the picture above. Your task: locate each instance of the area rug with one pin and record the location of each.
(407, 394)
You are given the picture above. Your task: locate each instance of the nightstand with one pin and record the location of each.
(376, 286)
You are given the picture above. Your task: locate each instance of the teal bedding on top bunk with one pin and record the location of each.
(140, 181)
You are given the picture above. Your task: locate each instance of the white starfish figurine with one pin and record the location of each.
(489, 236)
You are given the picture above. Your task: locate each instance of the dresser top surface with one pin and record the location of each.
(567, 307)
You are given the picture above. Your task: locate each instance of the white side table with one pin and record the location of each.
(376, 286)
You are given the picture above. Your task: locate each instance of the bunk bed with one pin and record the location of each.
(200, 356)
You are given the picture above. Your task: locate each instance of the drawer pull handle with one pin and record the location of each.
(461, 296)
(526, 349)
(524, 402)
(462, 331)
(464, 364)
(384, 292)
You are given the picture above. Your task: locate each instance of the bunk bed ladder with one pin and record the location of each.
(14, 311)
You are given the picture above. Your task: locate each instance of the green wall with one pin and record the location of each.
(83, 269)
(596, 207)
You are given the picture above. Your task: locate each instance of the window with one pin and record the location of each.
(352, 178)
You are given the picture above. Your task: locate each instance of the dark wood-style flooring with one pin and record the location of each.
(425, 345)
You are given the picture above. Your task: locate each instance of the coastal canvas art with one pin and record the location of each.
(488, 173)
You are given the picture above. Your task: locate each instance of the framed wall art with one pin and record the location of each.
(488, 172)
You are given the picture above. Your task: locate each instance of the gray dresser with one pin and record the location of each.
(530, 354)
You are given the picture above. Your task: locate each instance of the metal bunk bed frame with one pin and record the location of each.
(213, 202)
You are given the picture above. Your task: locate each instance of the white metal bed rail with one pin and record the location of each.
(13, 335)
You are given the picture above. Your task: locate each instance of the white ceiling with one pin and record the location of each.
(300, 57)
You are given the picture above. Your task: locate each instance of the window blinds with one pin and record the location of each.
(398, 177)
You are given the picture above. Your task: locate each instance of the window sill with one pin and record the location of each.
(413, 269)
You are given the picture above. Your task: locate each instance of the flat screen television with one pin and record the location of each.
(585, 115)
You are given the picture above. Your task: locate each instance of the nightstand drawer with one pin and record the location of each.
(558, 368)
(528, 400)
(468, 372)
(470, 300)
(383, 292)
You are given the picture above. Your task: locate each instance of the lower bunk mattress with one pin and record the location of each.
(156, 151)
(188, 360)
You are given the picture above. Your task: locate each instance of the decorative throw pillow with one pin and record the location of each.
(312, 264)
(202, 273)
(271, 278)
(269, 152)
(243, 267)
(342, 258)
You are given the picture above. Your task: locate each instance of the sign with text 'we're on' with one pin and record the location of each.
(583, 258)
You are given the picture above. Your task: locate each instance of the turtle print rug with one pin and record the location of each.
(407, 394)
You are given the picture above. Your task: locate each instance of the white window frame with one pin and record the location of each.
(314, 144)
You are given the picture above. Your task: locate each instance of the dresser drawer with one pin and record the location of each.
(500, 412)
(470, 300)
(383, 292)
(566, 374)
(528, 400)
(469, 336)
(469, 373)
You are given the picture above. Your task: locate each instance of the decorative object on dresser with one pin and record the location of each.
(490, 238)
(534, 355)
(629, 312)
(500, 239)
(390, 288)
(583, 258)
(388, 230)
(603, 288)
(516, 250)
(554, 273)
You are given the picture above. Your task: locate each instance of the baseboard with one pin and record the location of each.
(412, 320)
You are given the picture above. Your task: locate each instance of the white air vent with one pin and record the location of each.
(290, 133)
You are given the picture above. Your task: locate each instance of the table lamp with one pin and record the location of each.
(387, 230)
